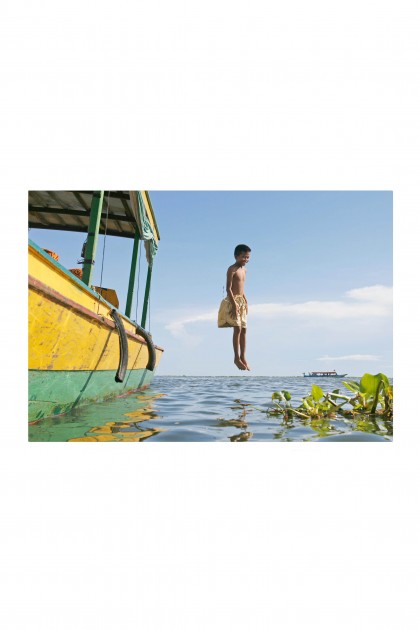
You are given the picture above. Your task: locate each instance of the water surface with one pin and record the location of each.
(207, 409)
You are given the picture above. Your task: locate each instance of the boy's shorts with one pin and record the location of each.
(225, 318)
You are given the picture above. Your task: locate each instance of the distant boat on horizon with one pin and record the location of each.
(330, 374)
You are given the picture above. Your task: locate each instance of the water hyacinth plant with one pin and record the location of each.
(373, 396)
(373, 390)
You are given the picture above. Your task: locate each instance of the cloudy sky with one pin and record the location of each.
(319, 281)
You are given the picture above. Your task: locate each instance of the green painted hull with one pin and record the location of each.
(54, 392)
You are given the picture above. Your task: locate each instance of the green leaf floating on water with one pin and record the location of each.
(369, 383)
(283, 395)
(372, 385)
(374, 391)
(317, 393)
(385, 379)
(353, 386)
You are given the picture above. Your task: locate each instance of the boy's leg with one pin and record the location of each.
(242, 348)
(236, 348)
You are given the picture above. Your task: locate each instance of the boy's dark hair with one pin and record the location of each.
(241, 248)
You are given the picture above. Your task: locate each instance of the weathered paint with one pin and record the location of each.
(60, 279)
(62, 338)
(73, 343)
(53, 392)
(110, 295)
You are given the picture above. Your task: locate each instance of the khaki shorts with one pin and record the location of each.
(225, 318)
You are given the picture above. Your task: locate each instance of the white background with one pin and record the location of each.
(223, 95)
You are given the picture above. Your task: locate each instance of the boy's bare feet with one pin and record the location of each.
(245, 363)
(239, 364)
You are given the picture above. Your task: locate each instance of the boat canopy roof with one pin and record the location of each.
(326, 372)
(69, 210)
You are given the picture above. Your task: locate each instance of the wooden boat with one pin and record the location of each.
(333, 374)
(82, 348)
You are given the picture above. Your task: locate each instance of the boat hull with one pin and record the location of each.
(74, 344)
(55, 392)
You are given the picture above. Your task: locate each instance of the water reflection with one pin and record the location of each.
(117, 432)
(241, 437)
(318, 428)
(117, 420)
(240, 422)
(187, 409)
(373, 424)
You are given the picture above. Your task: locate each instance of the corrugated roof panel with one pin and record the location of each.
(69, 210)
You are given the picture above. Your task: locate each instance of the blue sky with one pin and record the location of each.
(319, 281)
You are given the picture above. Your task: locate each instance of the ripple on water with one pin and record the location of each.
(204, 409)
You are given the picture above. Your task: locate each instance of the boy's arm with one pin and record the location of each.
(229, 279)
(246, 303)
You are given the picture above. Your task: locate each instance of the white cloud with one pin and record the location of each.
(351, 357)
(178, 330)
(376, 293)
(361, 303)
(375, 301)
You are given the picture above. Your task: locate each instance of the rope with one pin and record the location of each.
(103, 249)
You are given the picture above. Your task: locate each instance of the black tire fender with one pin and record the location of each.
(122, 367)
(150, 347)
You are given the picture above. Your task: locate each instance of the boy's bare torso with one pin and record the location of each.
(238, 279)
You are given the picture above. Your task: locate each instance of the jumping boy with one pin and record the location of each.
(233, 310)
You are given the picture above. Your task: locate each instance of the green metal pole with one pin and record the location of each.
(134, 259)
(146, 297)
(92, 239)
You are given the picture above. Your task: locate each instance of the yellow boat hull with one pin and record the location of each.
(74, 344)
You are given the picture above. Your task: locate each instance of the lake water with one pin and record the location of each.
(206, 409)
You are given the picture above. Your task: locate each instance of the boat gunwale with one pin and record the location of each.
(59, 297)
